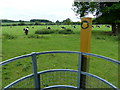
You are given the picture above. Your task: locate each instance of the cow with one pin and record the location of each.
(93, 26)
(108, 26)
(26, 31)
(98, 26)
(63, 27)
(48, 28)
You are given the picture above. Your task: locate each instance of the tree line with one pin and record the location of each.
(68, 21)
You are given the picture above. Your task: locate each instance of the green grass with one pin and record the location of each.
(20, 44)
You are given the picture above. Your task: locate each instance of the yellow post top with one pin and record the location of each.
(85, 34)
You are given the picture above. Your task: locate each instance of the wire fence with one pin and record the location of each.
(26, 83)
(59, 78)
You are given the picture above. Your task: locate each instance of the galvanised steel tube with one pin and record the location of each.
(14, 59)
(34, 66)
(102, 57)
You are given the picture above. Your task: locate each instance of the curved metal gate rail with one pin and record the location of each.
(36, 75)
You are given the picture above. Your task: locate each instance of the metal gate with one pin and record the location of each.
(59, 78)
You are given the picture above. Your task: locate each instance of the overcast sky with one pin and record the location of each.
(37, 9)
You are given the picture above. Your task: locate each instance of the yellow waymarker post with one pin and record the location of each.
(85, 37)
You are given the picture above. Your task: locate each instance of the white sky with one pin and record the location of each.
(37, 9)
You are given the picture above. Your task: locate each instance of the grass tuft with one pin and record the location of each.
(35, 36)
(9, 36)
(44, 31)
(66, 31)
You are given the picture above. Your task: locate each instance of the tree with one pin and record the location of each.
(37, 23)
(58, 22)
(40, 20)
(67, 21)
(105, 12)
(6, 21)
(21, 22)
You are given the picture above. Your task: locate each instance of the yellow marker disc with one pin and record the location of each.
(85, 24)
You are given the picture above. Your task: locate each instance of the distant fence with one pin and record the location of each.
(60, 78)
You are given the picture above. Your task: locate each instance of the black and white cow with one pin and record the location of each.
(26, 31)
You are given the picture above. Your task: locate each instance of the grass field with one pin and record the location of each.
(16, 43)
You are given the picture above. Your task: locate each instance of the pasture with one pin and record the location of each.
(16, 43)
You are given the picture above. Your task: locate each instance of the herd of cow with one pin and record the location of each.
(99, 26)
(26, 29)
